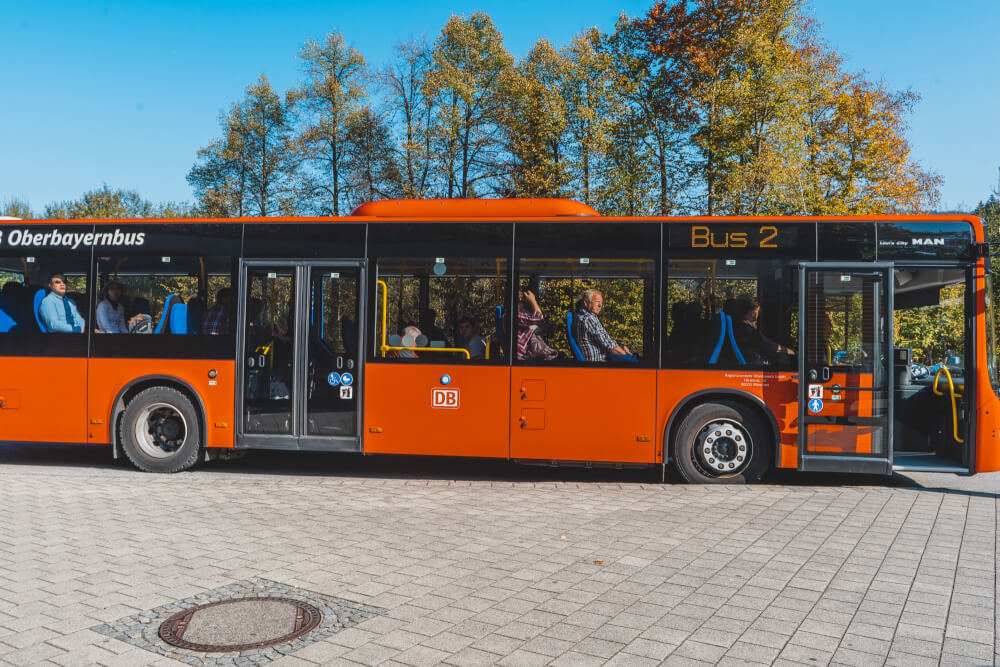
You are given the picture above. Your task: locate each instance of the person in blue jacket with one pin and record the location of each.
(58, 312)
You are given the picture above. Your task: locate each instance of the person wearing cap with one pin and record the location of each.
(111, 311)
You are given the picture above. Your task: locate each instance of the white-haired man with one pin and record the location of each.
(594, 341)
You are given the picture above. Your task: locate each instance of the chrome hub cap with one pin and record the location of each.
(723, 448)
(160, 430)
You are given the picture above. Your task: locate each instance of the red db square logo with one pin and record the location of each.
(444, 398)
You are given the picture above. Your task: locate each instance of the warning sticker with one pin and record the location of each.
(815, 391)
(346, 392)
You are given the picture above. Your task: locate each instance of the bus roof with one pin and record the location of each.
(443, 210)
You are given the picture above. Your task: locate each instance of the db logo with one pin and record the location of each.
(444, 398)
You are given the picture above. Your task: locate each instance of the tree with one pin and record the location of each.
(368, 157)
(588, 90)
(103, 203)
(469, 70)
(414, 113)
(252, 169)
(857, 159)
(646, 96)
(535, 124)
(335, 85)
(220, 177)
(16, 207)
(777, 125)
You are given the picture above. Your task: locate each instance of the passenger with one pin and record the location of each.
(590, 334)
(471, 340)
(57, 312)
(217, 319)
(755, 346)
(111, 311)
(409, 339)
(428, 319)
(530, 344)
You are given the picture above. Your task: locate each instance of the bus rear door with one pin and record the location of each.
(845, 367)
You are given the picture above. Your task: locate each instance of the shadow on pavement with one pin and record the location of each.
(312, 464)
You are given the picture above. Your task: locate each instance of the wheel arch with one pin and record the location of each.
(139, 384)
(690, 401)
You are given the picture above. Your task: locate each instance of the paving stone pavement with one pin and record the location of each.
(531, 571)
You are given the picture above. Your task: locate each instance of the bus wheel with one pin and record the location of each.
(722, 443)
(159, 431)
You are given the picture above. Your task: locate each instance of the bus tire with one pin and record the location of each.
(160, 431)
(722, 443)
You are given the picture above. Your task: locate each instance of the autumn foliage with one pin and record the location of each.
(706, 107)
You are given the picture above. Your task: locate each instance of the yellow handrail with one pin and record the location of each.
(954, 395)
(385, 347)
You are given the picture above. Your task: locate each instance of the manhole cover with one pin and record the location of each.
(239, 625)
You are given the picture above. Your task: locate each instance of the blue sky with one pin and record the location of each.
(126, 92)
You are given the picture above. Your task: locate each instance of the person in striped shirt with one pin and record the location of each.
(594, 341)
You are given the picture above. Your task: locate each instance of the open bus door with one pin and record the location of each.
(845, 367)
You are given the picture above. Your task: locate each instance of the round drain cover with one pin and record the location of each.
(239, 625)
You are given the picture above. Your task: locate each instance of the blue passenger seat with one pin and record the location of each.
(164, 316)
(7, 321)
(179, 319)
(577, 352)
(39, 295)
(718, 334)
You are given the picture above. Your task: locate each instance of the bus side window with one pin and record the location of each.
(163, 294)
(732, 313)
(440, 309)
(585, 310)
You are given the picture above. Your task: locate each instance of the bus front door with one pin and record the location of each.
(301, 372)
(845, 367)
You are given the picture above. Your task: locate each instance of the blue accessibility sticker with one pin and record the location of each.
(333, 379)
(815, 405)
(346, 379)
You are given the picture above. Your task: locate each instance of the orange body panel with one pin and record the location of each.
(42, 401)
(109, 376)
(583, 414)
(987, 433)
(400, 417)
(778, 391)
(834, 439)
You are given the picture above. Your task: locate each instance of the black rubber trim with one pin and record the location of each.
(724, 392)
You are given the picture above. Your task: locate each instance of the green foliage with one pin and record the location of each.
(934, 332)
(252, 169)
(15, 207)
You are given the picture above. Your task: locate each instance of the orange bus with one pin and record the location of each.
(529, 330)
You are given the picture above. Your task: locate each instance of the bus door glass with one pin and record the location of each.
(301, 380)
(268, 350)
(845, 357)
(332, 385)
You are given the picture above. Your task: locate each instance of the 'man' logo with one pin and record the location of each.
(444, 398)
(927, 242)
